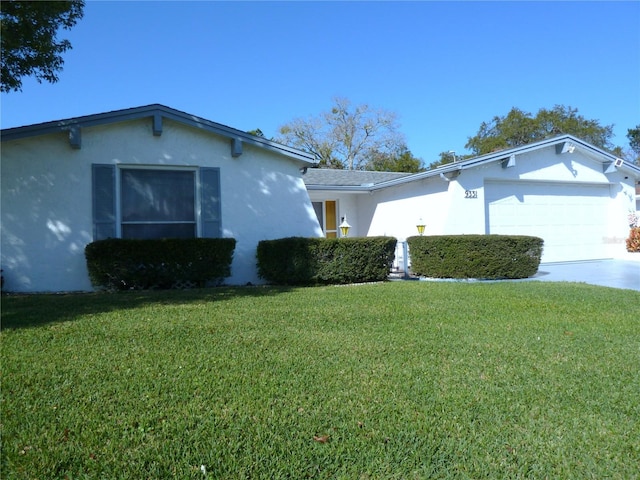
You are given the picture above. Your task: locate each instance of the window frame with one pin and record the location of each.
(120, 169)
(106, 193)
(323, 222)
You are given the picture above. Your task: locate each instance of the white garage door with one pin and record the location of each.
(570, 218)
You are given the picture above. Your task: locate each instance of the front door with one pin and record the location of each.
(327, 217)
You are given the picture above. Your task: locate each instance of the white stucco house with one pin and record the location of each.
(142, 172)
(575, 196)
(153, 171)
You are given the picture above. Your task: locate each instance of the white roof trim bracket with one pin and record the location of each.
(75, 137)
(612, 167)
(452, 175)
(510, 161)
(157, 124)
(565, 147)
(236, 147)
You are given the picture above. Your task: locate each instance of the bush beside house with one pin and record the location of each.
(475, 256)
(119, 264)
(633, 242)
(308, 261)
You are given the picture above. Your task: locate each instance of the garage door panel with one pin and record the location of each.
(570, 218)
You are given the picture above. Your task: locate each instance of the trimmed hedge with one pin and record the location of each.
(475, 256)
(120, 264)
(308, 261)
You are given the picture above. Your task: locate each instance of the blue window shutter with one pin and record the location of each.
(210, 202)
(104, 201)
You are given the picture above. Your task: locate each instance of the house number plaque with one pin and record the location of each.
(470, 194)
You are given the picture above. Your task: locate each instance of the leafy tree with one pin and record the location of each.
(520, 128)
(346, 136)
(400, 161)
(29, 43)
(633, 134)
(620, 153)
(632, 153)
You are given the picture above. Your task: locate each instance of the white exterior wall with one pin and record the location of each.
(46, 217)
(397, 210)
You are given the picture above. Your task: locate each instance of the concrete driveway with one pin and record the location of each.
(621, 272)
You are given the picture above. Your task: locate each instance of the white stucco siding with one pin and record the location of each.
(46, 195)
(466, 206)
(546, 164)
(263, 198)
(46, 215)
(397, 210)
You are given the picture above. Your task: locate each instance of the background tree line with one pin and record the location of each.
(518, 128)
(363, 138)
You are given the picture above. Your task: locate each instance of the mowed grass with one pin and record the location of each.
(395, 380)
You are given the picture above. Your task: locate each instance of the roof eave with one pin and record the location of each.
(502, 154)
(340, 188)
(150, 111)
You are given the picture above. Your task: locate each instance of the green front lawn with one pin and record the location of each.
(396, 380)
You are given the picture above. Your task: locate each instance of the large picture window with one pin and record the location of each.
(157, 203)
(133, 202)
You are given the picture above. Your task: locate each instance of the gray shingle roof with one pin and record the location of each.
(348, 178)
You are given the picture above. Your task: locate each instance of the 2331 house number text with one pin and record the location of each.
(470, 194)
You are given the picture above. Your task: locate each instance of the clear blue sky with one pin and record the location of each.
(443, 67)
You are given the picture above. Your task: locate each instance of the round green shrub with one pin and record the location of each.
(309, 261)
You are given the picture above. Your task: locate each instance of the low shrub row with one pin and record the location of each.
(308, 261)
(120, 264)
(475, 256)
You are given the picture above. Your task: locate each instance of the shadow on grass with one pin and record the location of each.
(33, 310)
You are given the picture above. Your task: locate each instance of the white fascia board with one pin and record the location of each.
(418, 176)
(340, 188)
(540, 181)
(631, 169)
